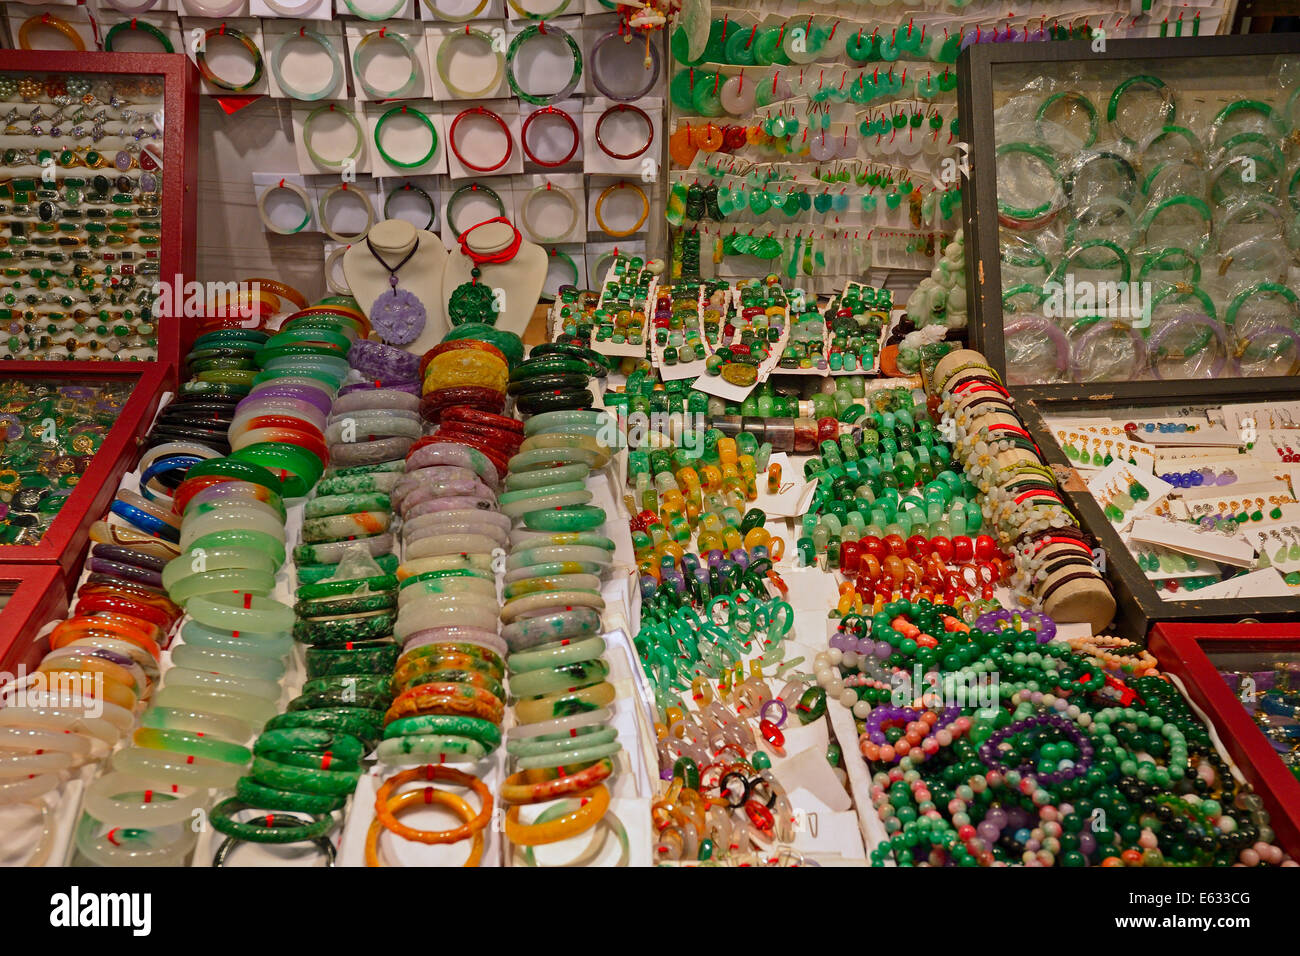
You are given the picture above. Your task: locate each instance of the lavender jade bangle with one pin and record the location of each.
(383, 363)
(301, 391)
(1183, 320)
(446, 490)
(376, 398)
(595, 73)
(370, 452)
(446, 453)
(449, 503)
(409, 388)
(1036, 323)
(1100, 328)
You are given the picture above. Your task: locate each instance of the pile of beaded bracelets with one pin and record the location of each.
(563, 743)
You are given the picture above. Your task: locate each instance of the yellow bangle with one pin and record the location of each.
(600, 200)
(592, 805)
(425, 795)
(54, 23)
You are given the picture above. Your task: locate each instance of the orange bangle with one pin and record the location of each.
(279, 288)
(427, 795)
(106, 689)
(447, 775)
(110, 625)
(592, 805)
(538, 786)
(54, 23)
(89, 664)
(449, 698)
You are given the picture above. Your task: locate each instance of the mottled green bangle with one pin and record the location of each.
(347, 588)
(346, 629)
(543, 476)
(455, 675)
(342, 745)
(376, 684)
(191, 745)
(553, 655)
(555, 743)
(475, 728)
(570, 757)
(223, 821)
(311, 573)
(284, 777)
(525, 35)
(430, 748)
(360, 722)
(269, 798)
(572, 518)
(548, 680)
(373, 658)
(341, 697)
(346, 604)
(345, 504)
(306, 760)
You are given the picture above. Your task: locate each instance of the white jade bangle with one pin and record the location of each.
(445, 562)
(164, 768)
(266, 216)
(324, 220)
(548, 554)
(290, 10)
(550, 189)
(411, 536)
(476, 586)
(546, 600)
(332, 260)
(103, 803)
(424, 616)
(562, 725)
(450, 544)
(209, 8)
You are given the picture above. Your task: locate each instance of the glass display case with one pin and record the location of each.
(1246, 679)
(31, 595)
(1134, 212)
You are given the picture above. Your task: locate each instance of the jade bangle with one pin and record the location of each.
(538, 584)
(223, 819)
(456, 18)
(566, 725)
(242, 612)
(275, 645)
(548, 600)
(563, 704)
(133, 847)
(141, 26)
(191, 745)
(549, 680)
(565, 758)
(298, 468)
(230, 579)
(374, 14)
(556, 654)
(443, 62)
(270, 798)
(1151, 82)
(281, 50)
(475, 586)
(348, 115)
(545, 628)
(430, 748)
(369, 42)
(531, 32)
(1070, 97)
(547, 554)
(543, 491)
(474, 728)
(405, 110)
(519, 508)
(1261, 288)
(165, 769)
(553, 743)
(358, 722)
(1195, 202)
(407, 187)
(1048, 159)
(237, 538)
(573, 518)
(483, 638)
(535, 479)
(544, 458)
(227, 662)
(441, 613)
(121, 800)
(467, 190)
(201, 59)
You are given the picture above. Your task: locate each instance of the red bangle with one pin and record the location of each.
(573, 128)
(621, 108)
(481, 111)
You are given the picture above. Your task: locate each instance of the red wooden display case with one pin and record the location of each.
(179, 176)
(36, 597)
(64, 542)
(1189, 652)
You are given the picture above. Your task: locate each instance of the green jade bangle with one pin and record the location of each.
(548, 680)
(407, 111)
(536, 479)
(527, 34)
(538, 423)
(215, 559)
(258, 583)
(553, 655)
(568, 260)
(465, 191)
(1248, 106)
(1142, 80)
(368, 44)
(242, 612)
(374, 14)
(239, 538)
(443, 61)
(1049, 160)
(347, 588)
(415, 190)
(140, 26)
(324, 506)
(572, 756)
(358, 722)
(322, 41)
(1069, 97)
(544, 458)
(563, 499)
(191, 745)
(1121, 258)
(572, 518)
(1259, 289)
(430, 748)
(298, 469)
(473, 728)
(274, 646)
(379, 657)
(223, 821)
(351, 118)
(557, 743)
(1193, 202)
(270, 798)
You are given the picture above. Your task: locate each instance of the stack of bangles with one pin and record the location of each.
(563, 743)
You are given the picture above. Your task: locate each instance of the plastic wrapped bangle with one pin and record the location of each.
(480, 111)
(547, 111)
(1050, 330)
(1150, 82)
(443, 61)
(1084, 369)
(532, 32)
(609, 191)
(1259, 347)
(201, 58)
(1128, 177)
(351, 118)
(1048, 159)
(137, 26)
(624, 108)
(281, 50)
(303, 198)
(1068, 97)
(1259, 289)
(1068, 262)
(652, 51)
(337, 189)
(1213, 331)
(366, 48)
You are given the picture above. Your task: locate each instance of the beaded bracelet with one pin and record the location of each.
(277, 67)
(201, 58)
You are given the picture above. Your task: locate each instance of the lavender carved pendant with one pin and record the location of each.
(399, 316)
